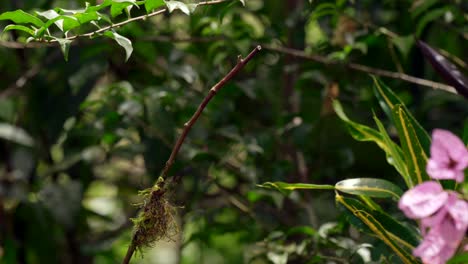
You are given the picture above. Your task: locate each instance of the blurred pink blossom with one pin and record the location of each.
(423, 200)
(449, 157)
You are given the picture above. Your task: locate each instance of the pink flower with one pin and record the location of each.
(423, 200)
(449, 156)
(443, 213)
(448, 228)
(440, 243)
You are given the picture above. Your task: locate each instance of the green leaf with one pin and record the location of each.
(21, 17)
(150, 5)
(63, 22)
(370, 187)
(64, 46)
(286, 188)
(15, 134)
(396, 236)
(388, 100)
(20, 28)
(459, 259)
(358, 131)
(185, 8)
(122, 41)
(119, 5)
(87, 17)
(395, 155)
(413, 151)
(429, 17)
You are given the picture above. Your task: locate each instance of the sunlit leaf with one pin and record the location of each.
(122, 41)
(118, 6)
(413, 151)
(150, 5)
(63, 22)
(20, 28)
(21, 17)
(185, 8)
(371, 187)
(15, 134)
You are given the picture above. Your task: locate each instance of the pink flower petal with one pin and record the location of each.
(441, 243)
(449, 156)
(423, 200)
(458, 210)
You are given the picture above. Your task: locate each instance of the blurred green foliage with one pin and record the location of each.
(79, 138)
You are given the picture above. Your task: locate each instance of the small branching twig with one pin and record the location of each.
(133, 19)
(364, 68)
(155, 219)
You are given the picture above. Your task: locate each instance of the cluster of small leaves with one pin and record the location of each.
(69, 24)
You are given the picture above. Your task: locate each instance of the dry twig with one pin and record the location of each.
(363, 68)
(241, 62)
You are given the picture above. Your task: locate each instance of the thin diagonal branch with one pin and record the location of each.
(187, 126)
(364, 68)
(241, 62)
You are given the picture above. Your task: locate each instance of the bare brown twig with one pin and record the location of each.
(364, 68)
(241, 62)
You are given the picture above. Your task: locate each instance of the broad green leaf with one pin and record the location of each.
(21, 17)
(87, 17)
(118, 6)
(370, 187)
(150, 5)
(388, 99)
(20, 28)
(15, 134)
(185, 8)
(396, 236)
(63, 22)
(395, 155)
(122, 41)
(286, 188)
(413, 152)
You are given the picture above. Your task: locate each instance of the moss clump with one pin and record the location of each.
(155, 220)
